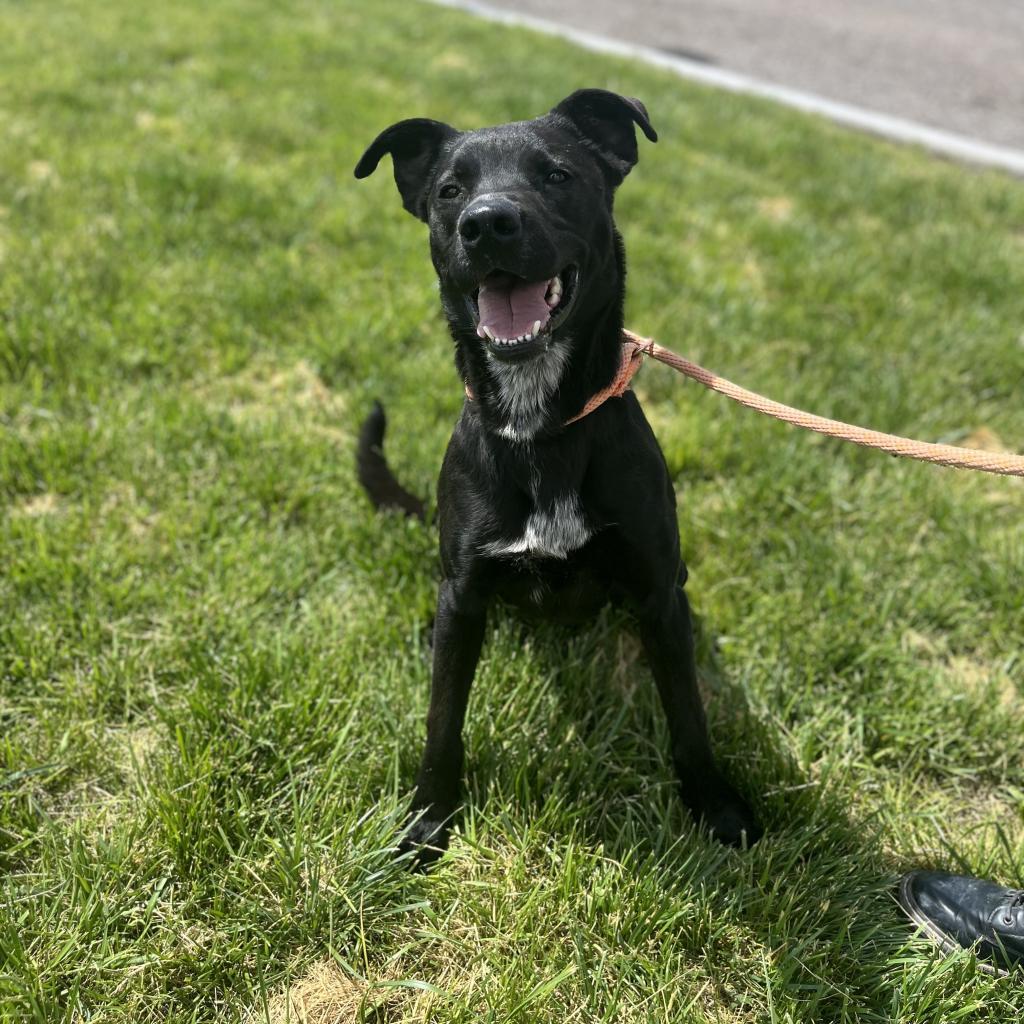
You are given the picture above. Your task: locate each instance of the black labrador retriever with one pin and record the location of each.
(554, 516)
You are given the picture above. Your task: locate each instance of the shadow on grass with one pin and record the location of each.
(813, 899)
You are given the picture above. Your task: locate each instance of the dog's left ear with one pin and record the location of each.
(414, 146)
(606, 121)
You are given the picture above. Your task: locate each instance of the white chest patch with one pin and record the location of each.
(524, 391)
(552, 533)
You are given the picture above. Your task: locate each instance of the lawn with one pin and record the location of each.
(213, 656)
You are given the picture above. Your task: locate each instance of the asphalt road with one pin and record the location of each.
(957, 65)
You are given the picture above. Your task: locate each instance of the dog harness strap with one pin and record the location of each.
(633, 352)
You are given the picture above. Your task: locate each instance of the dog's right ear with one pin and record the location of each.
(414, 146)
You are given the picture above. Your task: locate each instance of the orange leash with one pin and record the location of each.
(636, 347)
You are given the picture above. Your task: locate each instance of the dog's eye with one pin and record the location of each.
(449, 191)
(556, 177)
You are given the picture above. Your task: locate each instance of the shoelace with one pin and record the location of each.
(1016, 900)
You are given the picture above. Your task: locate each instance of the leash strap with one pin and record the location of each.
(635, 347)
(1004, 463)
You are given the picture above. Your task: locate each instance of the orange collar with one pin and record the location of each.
(633, 353)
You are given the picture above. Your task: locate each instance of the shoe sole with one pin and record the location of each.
(940, 938)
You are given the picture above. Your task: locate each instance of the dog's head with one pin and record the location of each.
(520, 215)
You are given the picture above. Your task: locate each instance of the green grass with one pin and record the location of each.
(213, 667)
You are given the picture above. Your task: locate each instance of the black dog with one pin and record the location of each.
(553, 517)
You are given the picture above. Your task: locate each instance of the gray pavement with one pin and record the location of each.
(956, 65)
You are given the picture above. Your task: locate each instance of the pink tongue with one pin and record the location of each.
(510, 307)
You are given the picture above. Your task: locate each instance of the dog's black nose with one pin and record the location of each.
(490, 218)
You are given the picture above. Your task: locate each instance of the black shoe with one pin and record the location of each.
(958, 911)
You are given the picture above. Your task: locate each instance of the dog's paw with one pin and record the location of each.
(733, 824)
(727, 816)
(426, 839)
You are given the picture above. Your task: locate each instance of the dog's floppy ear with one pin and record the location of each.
(606, 122)
(414, 146)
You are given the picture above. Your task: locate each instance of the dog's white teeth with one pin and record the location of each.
(505, 342)
(554, 292)
(480, 333)
(489, 333)
(536, 328)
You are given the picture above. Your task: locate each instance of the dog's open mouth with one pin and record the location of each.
(516, 316)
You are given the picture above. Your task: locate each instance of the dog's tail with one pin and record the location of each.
(374, 472)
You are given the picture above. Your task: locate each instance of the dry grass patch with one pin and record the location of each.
(986, 440)
(38, 505)
(325, 994)
(776, 208)
(42, 172)
(265, 390)
(451, 60)
(980, 677)
(122, 500)
(970, 674)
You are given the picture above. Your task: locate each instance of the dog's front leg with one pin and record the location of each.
(668, 640)
(458, 637)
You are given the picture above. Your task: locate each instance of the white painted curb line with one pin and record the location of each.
(960, 147)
